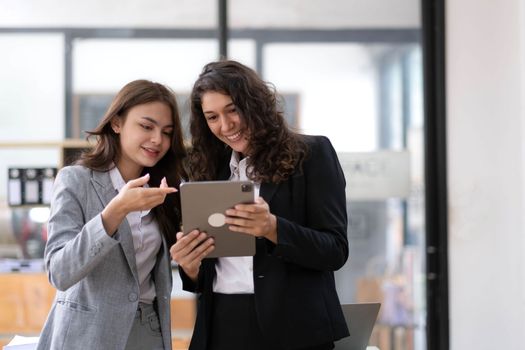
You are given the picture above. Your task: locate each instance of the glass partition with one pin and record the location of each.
(358, 80)
(31, 116)
(366, 97)
(58, 70)
(350, 70)
(174, 62)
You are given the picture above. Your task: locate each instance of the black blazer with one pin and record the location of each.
(295, 295)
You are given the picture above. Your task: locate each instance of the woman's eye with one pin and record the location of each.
(168, 133)
(211, 117)
(146, 127)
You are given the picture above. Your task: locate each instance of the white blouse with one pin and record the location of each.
(234, 275)
(146, 241)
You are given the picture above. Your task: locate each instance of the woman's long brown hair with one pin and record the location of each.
(275, 151)
(106, 150)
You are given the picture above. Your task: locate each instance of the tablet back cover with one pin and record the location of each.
(203, 207)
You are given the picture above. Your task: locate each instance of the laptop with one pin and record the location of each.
(360, 319)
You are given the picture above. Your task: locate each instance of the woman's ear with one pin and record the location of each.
(115, 124)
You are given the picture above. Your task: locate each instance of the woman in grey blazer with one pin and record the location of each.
(112, 217)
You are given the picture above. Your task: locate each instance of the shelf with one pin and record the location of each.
(69, 148)
(46, 144)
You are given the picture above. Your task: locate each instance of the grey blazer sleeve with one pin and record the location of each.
(77, 240)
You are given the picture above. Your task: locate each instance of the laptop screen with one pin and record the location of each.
(360, 319)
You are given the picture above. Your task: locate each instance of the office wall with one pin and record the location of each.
(485, 60)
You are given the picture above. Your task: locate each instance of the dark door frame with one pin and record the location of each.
(433, 40)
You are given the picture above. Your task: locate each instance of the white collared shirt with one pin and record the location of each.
(146, 241)
(234, 275)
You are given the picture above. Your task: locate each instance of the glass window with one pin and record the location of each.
(32, 119)
(352, 71)
(32, 90)
(102, 66)
(367, 99)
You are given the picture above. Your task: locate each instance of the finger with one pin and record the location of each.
(253, 208)
(161, 190)
(141, 181)
(158, 191)
(190, 242)
(168, 190)
(183, 240)
(242, 210)
(177, 250)
(240, 222)
(163, 183)
(202, 250)
(240, 229)
(232, 213)
(194, 257)
(206, 252)
(258, 203)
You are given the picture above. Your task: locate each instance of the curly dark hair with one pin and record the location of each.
(275, 151)
(106, 150)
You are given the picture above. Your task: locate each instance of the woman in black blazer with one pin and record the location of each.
(284, 297)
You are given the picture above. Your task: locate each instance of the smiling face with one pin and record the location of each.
(224, 121)
(145, 137)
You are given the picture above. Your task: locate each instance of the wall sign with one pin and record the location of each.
(376, 175)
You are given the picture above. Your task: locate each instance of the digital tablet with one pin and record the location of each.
(204, 204)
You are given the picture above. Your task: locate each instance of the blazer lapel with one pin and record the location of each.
(267, 191)
(105, 191)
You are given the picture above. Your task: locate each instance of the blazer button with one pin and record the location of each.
(132, 296)
(260, 276)
(94, 251)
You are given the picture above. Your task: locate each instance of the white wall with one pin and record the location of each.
(485, 116)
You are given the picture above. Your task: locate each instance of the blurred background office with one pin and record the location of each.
(352, 70)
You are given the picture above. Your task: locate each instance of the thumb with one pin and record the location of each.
(139, 182)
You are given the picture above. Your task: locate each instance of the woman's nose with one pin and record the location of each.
(226, 123)
(156, 137)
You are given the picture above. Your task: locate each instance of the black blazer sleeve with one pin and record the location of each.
(312, 230)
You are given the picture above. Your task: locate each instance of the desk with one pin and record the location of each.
(25, 300)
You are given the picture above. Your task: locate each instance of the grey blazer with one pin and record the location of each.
(95, 274)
